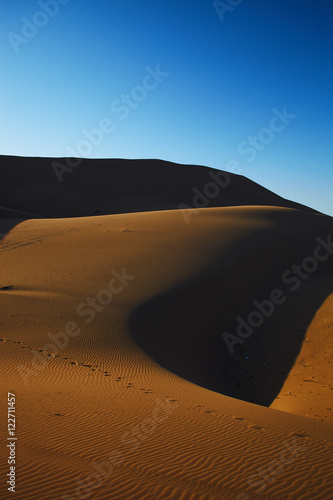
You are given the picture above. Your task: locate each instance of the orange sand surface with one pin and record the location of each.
(113, 342)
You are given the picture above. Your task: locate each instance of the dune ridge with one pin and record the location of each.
(108, 186)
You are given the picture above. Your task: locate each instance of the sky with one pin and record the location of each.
(238, 85)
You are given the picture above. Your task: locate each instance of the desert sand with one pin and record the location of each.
(120, 304)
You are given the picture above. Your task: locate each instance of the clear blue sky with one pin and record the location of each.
(222, 74)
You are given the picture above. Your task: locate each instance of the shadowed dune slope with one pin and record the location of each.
(49, 187)
(111, 338)
(183, 327)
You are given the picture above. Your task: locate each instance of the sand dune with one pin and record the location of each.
(113, 337)
(118, 186)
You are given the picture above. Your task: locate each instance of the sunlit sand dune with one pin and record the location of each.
(120, 338)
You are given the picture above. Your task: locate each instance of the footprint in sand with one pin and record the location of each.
(299, 435)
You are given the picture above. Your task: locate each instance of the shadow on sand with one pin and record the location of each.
(182, 329)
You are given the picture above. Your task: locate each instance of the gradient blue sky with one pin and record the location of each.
(225, 78)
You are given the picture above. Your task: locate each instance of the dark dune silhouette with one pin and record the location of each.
(112, 186)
